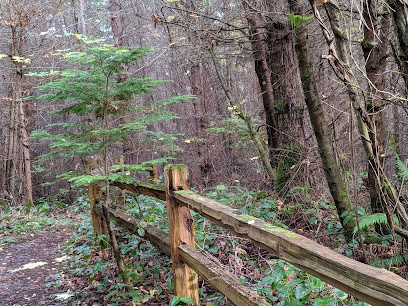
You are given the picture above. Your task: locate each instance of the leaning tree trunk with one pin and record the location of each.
(339, 57)
(252, 129)
(332, 170)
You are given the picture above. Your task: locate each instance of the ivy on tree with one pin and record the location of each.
(98, 90)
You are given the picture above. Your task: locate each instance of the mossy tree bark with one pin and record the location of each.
(400, 22)
(19, 187)
(287, 90)
(375, 46)
(339, 58)
(332, 170)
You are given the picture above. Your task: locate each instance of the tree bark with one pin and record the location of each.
(199, 89)
(332, 170)
(375, 48)
(287, 87)
(115, 8)
(340, 59)
(400, 20)
(82, 15)
(75, 17)
(259, 51)
(19, 153)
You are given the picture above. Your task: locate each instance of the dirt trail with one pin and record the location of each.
(24, 267)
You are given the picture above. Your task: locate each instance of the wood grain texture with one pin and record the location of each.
(181, 230)
(220, 279)
(373, 285)
(95, 195)
(223, 281)
(141, 188)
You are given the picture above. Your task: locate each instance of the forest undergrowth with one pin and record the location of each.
(90, 276)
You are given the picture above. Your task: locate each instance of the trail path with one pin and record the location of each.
(24, 267)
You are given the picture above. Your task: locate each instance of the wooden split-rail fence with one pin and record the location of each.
(372, 285)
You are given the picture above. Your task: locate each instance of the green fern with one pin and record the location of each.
(395, 261)
(371, 220)
(402, 167)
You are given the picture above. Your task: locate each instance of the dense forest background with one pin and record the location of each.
(294, 111)
(288, 94)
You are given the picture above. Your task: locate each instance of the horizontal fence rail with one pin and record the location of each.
(215, 275)
(373, 285)
(367, 283)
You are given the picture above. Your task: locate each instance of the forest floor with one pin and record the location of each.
(24, 267)
(49, 256)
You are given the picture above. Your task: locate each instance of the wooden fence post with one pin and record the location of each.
(181, 230)
(95, 195)
(154, 175)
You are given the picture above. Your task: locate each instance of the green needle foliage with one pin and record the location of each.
(98, 91)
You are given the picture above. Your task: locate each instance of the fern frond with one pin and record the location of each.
(371, 220)
(395, 261)
(402, 167)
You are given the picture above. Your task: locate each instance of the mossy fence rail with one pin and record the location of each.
(373, 285)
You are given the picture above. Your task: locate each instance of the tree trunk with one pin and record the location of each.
(11, 145)
(82, 15)
(21, 151)
(115, 8)
(287, 91)
(287, 88)
(199, 89)
(400, 20)
(375, 48)
(332, 170)
(75, 17)
(339, 57)
(259, 51)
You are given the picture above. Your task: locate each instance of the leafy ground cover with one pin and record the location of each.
(88, 274)
(279, 282)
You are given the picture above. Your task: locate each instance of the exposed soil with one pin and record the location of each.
(24, 285)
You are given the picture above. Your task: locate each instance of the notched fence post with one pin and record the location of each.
(181, 230)
(154, 175)
(95, 195)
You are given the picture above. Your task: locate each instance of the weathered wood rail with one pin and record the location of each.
(373, 285)
(215, 275)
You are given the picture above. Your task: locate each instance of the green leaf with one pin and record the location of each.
(141, 232)
(175, 301)
(267, 280)
(186, 300)
(325, 301)
(301, 291)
